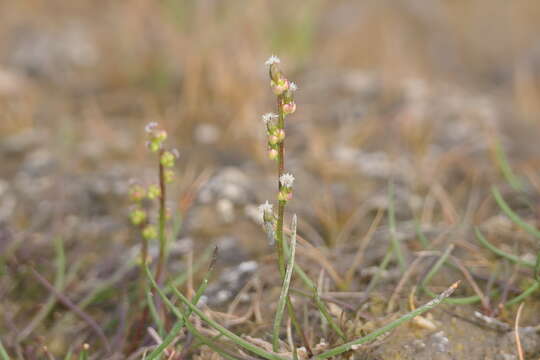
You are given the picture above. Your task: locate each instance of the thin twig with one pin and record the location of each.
(68, 303)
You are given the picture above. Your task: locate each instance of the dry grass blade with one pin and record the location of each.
(516, 332)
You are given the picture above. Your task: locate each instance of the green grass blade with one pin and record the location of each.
(83, 355)
(372, 336)
(284, 289)
(181, 322)
(154, 312)
(392, 223)
(513, 258)
(530, 290)
(69, 354)
(3, 353)
(537, 267)
(208, 342)
(506, 169)
(512, 215)
(323, 310)
(227, 333)
(384, 264)
(421, 236)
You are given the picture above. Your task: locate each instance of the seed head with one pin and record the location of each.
(151, 126)
(149, 232)
(154, 192)
(272, 60)
(268, 117)
(286, 180)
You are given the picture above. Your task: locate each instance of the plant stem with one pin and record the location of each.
(161, 229)
(279, 226)
(281, 206)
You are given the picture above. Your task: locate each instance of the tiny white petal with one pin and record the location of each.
(176, 153)
(293, 86)
(264, 209)
(269, 117)
(272, 60)
(286, 180)
(150, 126)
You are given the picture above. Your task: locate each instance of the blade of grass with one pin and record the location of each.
(181, 322)
(284, 289)
(512, 258)
(375, 279)
(323, 310)
(421, 236)
(154, 312)
(530, 290)
(3, 353)
(372, 336)
(227, 333)
(506, 169)
(83, 355)
(512, 215)
(69, 354)
(436, 267)
(392, 223)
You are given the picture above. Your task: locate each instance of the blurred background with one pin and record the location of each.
(421, 92)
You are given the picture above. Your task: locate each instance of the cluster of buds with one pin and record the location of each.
(281, 86)
(156, 135)
(138, 194)
(138, 215)
(276, 134)
(284, 90)
(285, 191)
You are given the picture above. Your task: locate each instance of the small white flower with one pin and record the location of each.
(272, 60)
(269, 117)
(150, 126)
(264, 209)
(286, 180)
(293, 86)
(176, 153)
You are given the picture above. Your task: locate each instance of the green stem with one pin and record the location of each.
(392, 223)
(3, 353)
(162, 214)
(512, 215)
(372, 336)
(284, 290)
(225, 332)
(513, 258)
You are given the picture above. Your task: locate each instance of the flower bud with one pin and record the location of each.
(279, 86)
(137, 216)
(153, 192)
(136, 193)
(289, 108)
(280, 135)
(167, 159)
(169, 176)
(285, 195)
(149, 232)
(273, 139)
(273, 154)
(153, 145)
